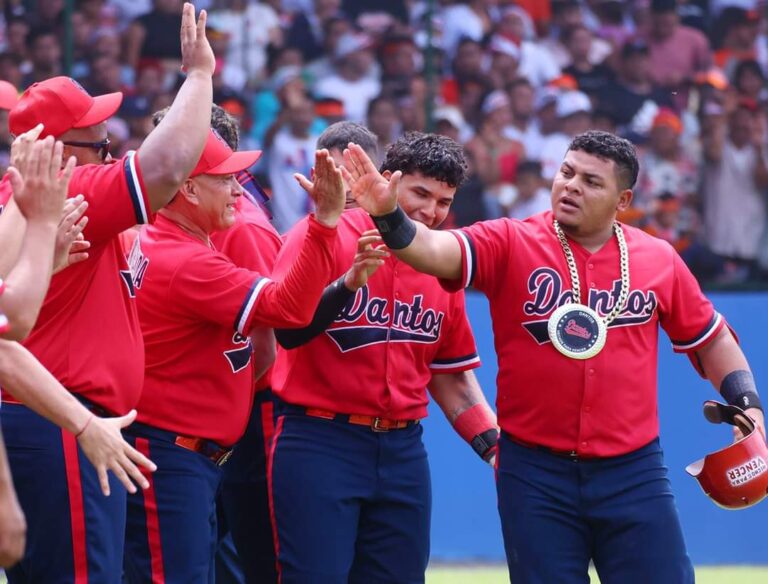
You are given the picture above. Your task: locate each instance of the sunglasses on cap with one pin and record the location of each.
(101, 147)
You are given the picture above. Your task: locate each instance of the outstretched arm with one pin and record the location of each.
(726, 367)
(100, 438)
(337, 294)
(462, 400)
(433, 252)
(172, 150)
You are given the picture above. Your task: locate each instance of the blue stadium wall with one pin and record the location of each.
(465, 524)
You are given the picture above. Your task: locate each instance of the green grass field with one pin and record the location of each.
(446, 574)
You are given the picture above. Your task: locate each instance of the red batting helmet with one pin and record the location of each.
(736, 476)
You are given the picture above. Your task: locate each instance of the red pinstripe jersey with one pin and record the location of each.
(87, 334)
(378, 356)
(606, 405)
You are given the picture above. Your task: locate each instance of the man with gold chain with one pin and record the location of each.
(576, 300)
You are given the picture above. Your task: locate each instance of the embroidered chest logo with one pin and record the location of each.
(240, 357)
(545, 287)
(382, 322)
(137, 268)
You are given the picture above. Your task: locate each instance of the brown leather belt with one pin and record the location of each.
(374, 423)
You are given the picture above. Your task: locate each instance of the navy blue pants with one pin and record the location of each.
(171, 533)
(245, 497)
(74, 533)
(349, 504)
(557, 514)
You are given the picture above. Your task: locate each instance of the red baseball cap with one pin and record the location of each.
(219, 158)
(9, 95)
(61, 104)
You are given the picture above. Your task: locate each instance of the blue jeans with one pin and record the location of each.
(557, 514)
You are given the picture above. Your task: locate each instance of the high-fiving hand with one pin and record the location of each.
(372, 191)
(326, 189)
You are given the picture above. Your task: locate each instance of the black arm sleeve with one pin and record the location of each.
(334, 298)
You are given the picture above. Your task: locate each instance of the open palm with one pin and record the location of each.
(372, 191)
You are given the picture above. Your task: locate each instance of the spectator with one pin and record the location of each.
(10, 69)
(44, 55)
(574, 116)
(537, 63)
(16, 31)
(735, 179)
(351, 82)
(472, 19)
(148, 38)
(505, 59)
(633, 91)
(739, 29)
(449, 122)
(668, 168)
(529, 195)
(749, 80)
(251, 27)
(665, 222)
(590, 76)
(496, 156)
(676, 52)
(321, 65)
(524, 126)
(306, 30)
(400, 61)
(383, 121)
(290, 146)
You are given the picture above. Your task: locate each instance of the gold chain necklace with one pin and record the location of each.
(575, 329)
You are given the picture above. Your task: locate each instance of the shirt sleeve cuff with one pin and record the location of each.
(702, 339)
(455, 364)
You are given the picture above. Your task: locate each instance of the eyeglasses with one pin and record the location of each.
(101, 147)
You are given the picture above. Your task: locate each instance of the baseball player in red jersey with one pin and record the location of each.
(87, 333)
(243, 505)
(197, 309)
(576, 301)
(39, 190)
(349, 479)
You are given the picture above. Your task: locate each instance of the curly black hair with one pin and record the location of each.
(610, 147)
(431, 155)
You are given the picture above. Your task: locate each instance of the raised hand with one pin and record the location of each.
(373, 192)
(326, 189)
(196, 51)
(368, 259)
(106, 448)
(71, 246)
(39, 185)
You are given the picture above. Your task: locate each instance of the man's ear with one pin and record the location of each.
(387, 174)
(189, 190)
(625, 200)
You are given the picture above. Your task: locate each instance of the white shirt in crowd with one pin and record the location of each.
(355, 95)
(289, 155)
(522, 209)
(734, 207)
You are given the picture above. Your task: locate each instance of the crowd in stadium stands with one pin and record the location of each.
(512, 81)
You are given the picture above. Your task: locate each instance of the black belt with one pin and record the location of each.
(570, 454)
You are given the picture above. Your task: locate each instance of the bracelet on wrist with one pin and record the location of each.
(85, 426)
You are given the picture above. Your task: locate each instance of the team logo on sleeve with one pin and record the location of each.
(240, 357)
(378, 321)
(545, 287)
(137, 268)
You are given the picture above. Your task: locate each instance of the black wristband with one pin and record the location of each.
(738, 388)
(396, 228)
(484, 441)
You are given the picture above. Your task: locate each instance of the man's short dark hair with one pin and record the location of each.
(430, 155)
(610, 147)
(340, 134)
(221, 121)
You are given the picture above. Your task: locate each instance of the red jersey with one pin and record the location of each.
(87, 334)
(196, 309)
(251, 243)
(379, 355)
(606, 405)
